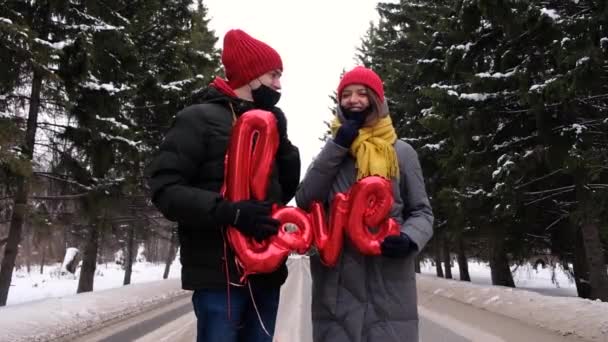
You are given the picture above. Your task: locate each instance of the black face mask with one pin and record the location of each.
(265, 97)
(358, 116)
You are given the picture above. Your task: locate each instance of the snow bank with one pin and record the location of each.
(28, 287)
(58, 317)
(567, 316)
(546, 281)
(68, 261)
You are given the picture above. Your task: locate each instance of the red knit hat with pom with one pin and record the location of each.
(364, 76)
(246, 58)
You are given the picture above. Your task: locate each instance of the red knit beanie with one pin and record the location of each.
(364, 76)
(246, 58)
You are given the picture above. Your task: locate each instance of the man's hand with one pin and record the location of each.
(250, 217)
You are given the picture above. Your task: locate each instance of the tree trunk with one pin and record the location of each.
(129, 257)
(591, 241)
(598, 277)
(14, 238)
(100, 244)
(417, 264)
(499, 262)
(463, 264)
(42, 259)
(27, 247)
(89, 259)
(437, 250)
(447, 261)
(171, 254)
(23, 188)
(580, 267)
(156, 251)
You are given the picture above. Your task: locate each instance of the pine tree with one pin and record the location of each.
(567, 94)
(405, 48)
(516, 103)
(132, 67)
(97, 70)
(31, 39)
(177, 61)
(504, 102)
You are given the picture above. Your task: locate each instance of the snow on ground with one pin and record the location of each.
(582, 318)
(55, 318)
(50, 318)
(525, 277)
(54, 283)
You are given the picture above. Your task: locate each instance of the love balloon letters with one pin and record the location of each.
(361, 213)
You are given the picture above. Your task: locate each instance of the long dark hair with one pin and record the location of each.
(376, 104)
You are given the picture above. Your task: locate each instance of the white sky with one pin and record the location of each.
(316, 39)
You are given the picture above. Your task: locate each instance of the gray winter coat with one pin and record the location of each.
(367, 298)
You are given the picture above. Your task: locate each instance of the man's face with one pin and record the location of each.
(270, 79)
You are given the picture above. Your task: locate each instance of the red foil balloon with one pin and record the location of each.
(329, 240)
(248, 167)
(371, 200)
(295, 233)
(250, 156)
(249, 162)
(256, 257)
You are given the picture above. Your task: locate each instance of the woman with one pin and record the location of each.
(368, 298)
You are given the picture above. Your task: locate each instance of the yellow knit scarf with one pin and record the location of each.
(373, 149)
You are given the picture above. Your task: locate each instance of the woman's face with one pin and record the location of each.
(355, 98)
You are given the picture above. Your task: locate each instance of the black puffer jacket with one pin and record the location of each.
(186, 177)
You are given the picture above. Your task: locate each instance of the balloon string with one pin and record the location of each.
(240, 270)
(257, 311)
(227, 278)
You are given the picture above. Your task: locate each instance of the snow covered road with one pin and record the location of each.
(442, 319)
(449, 311)
(173, 321)
(176, 323)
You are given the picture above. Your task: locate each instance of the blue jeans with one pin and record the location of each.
(213, 325)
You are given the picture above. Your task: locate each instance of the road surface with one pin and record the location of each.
(441, 320)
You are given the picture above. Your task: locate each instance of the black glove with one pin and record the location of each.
(250, 217)
(397, 246)
(349, 131)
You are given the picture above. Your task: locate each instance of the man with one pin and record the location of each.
(186, 178)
